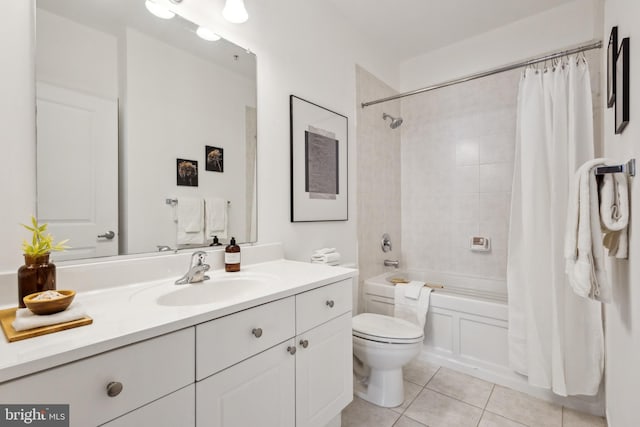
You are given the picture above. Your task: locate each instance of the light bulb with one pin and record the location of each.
(235, 12)
(207, 34)
(158, 10)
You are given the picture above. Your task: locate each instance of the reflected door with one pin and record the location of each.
(77, 154)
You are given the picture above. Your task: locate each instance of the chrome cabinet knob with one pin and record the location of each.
(114, 388)
(330, 303)
(109, 235)
(291, 349)
(257, 332)
(304, 343)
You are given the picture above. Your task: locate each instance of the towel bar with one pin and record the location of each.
(629, 168)
(174, 202)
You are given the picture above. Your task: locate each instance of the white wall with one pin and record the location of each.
(622, 317)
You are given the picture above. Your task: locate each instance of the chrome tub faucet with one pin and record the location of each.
(197, 269)
(391, 263)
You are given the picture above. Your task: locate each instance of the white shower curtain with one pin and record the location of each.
(555, 336)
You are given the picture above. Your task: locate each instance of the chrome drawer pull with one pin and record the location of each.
(330, 303)
(291, 349)
(257, 332)
(304, 343)
(114, 388)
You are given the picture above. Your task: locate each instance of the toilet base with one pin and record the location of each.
(384, 388)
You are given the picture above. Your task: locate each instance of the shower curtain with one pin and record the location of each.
(555, 336)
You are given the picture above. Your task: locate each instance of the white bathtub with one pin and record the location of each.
(466, 330)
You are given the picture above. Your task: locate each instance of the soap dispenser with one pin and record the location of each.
(232, 256)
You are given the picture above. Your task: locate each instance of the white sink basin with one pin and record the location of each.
(216, 290)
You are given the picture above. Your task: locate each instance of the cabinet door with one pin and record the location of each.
(324, 372)
(256, 392)
(176, 409)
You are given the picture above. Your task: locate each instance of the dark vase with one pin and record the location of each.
(36, 275)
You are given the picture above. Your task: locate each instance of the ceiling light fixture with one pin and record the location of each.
(235, 12)
(158, 10)
(207, 34)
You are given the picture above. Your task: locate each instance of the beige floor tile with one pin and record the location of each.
(437, 410)
(571, 418)
(492, 420)
(407, 422)
(461, 386)
(523, 408)
(360, 413)
(419, 372)
(411, 390)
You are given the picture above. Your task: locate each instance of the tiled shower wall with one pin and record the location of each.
(457, 165)
(378, 151)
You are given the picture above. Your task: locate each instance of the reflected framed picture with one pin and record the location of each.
(319, 185)
(187, 172)
(622, 86)
(215, 158)
(612, 53)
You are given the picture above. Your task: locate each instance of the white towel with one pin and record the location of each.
(216, 217)
(26, 319)
(412, 289)
(190, 219)
(324, 251)
(415, 311)
(328, 258)
(583, 250)
(614, 214)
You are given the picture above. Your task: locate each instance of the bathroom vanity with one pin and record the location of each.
(268, 346)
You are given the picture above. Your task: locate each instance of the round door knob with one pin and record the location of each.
(257, 332)
(114, 388)
(304, 343)
(291, 349)
(330, 303)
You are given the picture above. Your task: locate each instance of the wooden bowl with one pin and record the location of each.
(49, 306)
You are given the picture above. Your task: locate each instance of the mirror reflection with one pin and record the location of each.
(146, 132)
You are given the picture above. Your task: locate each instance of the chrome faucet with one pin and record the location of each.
(390, 263)
(197, 269)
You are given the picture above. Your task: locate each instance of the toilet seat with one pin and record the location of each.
(386, 329)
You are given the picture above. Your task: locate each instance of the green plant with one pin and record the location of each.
(41, 244)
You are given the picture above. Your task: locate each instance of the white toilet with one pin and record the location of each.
(384, 345)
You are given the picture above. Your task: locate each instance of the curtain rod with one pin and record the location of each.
(590, 46)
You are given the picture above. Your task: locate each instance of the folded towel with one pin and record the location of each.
(412, 289)
(614, 214)
(190, 218)
(583, 250)
(324, 251)
(26, 319)
(331, 257)
(216, 218)
(415, 311)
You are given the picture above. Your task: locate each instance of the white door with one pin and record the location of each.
(256, 392)
(77, 178)
(324, 372)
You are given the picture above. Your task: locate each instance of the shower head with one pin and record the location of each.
(395, 122)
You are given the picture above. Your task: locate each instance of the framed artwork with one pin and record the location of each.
(612, 53)
(187, 172)
(319, 190)
(215, 158)
(622, 86)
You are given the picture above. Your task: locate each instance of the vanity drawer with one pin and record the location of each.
(228, 340)
(147, 371)
(322, 304)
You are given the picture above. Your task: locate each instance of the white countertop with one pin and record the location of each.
(124, 315)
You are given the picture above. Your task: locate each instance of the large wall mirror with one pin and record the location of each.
(146, 132)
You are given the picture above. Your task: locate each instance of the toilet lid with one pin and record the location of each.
(386, 328)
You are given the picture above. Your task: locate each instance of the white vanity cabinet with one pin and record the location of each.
(103, 387)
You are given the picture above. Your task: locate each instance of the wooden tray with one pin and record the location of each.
(8, 316)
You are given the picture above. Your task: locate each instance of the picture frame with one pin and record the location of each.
(214, 158)
(612, 53)
(622, 86)
(187, 172)
(319, 162)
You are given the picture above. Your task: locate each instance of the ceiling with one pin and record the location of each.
(408, 28)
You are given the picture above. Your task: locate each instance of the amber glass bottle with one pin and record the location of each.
(36, 275)
(232, 256)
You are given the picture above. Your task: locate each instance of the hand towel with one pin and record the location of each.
(415, 311)
(412, 289)
(324, 251)
(331, 257)
(190, 212)
(26, 319)
(216, 217)
(583, 250)
(614, 214)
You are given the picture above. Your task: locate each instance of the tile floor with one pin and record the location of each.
(441, 397)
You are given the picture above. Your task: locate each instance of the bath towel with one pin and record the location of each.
(190, 212)
(583, 249)
(412, 310)
(26, 319)
(216, 218)
(412, 289)
(614, 214)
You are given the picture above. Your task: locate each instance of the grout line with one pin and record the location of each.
(562, 416)
(484, 409)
